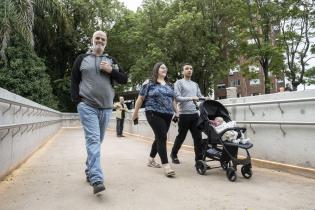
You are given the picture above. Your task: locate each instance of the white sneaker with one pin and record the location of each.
(169, 172)
(153, 164)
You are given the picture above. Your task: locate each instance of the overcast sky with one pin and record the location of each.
(132, 4)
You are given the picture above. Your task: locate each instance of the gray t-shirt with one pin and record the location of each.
(184, 90)
(95, 87)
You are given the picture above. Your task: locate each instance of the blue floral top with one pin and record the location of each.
(158, 98)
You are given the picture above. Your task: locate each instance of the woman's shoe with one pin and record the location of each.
(153, 164)
(169, 172)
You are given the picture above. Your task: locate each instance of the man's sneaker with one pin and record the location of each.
(174, 159)
(168, 171)
(153, 164)
(98, 187)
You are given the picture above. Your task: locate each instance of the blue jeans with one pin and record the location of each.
(94, 121)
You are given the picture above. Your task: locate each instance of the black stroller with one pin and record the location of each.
(215, 149)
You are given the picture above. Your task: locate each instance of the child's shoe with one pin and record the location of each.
(244, 141)
(236, 141)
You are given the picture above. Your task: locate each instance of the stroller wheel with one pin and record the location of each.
(231, 175)
(201, 167)
(224, 164)
(246, 171)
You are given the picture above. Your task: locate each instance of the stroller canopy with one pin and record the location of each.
(211, 109)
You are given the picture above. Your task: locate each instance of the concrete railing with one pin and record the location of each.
(24, 127)
(281, 126)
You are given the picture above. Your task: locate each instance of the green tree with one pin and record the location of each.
(261, 37)
(200, 32)
(310, 76)
(297, 27)
(136, 40)
(18, 17)
(60, 35)
(25, 74)
(205, 33)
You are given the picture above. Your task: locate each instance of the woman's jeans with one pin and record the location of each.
(94, 121)
(160, 123)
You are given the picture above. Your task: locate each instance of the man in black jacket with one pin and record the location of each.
(92, 89)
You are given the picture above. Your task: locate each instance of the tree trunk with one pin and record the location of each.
(295, 84)
(267, 79)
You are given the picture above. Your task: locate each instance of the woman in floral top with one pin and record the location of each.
(160, 106)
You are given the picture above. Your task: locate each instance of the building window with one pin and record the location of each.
(221, 86)
(235, 83)
(255, 94)
(254, 82)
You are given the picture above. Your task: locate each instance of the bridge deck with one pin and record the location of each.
(53, 178)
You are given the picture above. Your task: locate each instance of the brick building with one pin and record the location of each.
(246, 87)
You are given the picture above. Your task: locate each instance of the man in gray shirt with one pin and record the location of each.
(92, 90)
(186, 92)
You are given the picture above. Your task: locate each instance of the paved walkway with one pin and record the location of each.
(53, 178)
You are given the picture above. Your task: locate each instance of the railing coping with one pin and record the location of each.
(9, 126)
(28, 106)
(276, 122)
(271, 102)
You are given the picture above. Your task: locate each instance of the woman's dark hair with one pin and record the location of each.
(155, 72)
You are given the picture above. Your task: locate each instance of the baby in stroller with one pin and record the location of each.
(216, 123)
(233, 136)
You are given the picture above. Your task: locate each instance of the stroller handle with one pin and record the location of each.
(199, 99)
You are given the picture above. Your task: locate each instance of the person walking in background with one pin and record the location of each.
(121, 109)
(91, 89)
(160, 106)
(186, 92)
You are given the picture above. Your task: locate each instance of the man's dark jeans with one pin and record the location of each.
(188, 122)
(119, 126)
